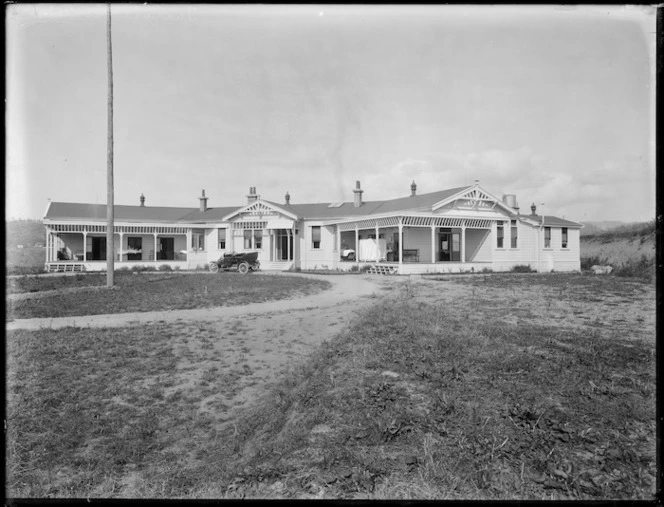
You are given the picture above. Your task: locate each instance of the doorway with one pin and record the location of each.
(166, 249)
(98, 249)
(284, 243)
(450, 246)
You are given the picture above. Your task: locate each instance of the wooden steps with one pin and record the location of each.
(64, 266)
(276, 265)
(382, 269)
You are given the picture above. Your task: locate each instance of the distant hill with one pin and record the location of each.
(628, 248)
(24, 232)
(616, 229)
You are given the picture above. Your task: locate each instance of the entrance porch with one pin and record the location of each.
(417, 243)
(82, 247)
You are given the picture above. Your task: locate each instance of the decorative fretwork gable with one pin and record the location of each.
(257, 211)
(473, 199)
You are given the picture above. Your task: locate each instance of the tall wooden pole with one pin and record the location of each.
(110, 247)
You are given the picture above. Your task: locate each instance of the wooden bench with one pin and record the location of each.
(411, 255)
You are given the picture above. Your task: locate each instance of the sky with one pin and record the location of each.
(553, 104)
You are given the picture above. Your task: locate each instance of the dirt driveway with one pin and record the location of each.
(346, 290)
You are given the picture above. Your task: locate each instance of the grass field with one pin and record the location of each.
(138, 292)
(500, 387)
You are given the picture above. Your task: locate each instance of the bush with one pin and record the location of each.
(165, 267)
(522, 268)
(142, 268)
(594, 260)
(643, 268)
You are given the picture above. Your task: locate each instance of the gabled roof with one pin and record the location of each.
(209, 215)
(552, 221)
(85, 211)
(422, 202)
(323, 211)
(474, 192)
(260, 206)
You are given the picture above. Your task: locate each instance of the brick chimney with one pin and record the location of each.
(142, 201)
(287, 197)
(358, 195)
(533, 209)
(413, 188)
(203, 203)
(251, 196)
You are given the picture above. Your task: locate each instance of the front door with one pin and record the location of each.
(98, 249)
(166, 249)
(284, 241)
(450, 246)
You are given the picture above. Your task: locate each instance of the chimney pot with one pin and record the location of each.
(142, 200)
(413, 188)
(252, 197)
(287, 197)
(533, 209)
(358, 195)
(203, 201)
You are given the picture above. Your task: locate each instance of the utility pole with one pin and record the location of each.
(110, 228)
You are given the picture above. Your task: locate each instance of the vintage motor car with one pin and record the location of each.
(242, 262)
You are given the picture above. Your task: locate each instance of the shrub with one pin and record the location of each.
(487, 270)
(643, 268)
(140, 268)
(522, 268)
(594, 260)
(165, 267)
(355, 267)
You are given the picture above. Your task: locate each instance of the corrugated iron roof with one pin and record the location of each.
(552, 221)
(422, 202)
(209, 215)
(86, 211)
(348, 209)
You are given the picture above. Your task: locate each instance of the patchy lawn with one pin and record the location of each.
(157, 292)
(419, 400)
(431, 393)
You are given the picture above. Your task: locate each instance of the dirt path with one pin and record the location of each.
(345, 289)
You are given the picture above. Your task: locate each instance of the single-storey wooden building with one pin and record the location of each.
(456, 230)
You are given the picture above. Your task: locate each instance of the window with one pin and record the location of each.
(564, 241)
(134, 244)
(198, 239)
(513, 233)
(547, 237)
(315, 236)
(500, 236)
(221, 240)
(247, 239)
(258, 238)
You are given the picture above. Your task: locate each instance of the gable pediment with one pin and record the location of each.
(473, 199)
(259, 210)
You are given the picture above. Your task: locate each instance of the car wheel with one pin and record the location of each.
(214, 267)
(243, 268)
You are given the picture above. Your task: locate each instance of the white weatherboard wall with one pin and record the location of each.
(524, 254)
(478, 245)
(530, 250)
(418, 238)
(317, 258)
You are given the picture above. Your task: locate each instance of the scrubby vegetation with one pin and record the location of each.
(522, 268)
(629, 249)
